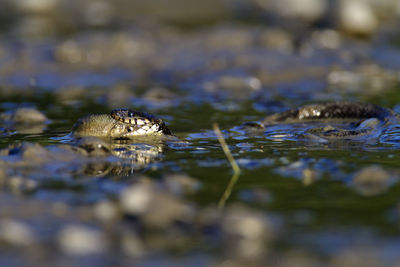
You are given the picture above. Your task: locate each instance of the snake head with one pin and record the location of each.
(139, 123)
(120, 123)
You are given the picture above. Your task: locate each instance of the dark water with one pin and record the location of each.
(307, 188)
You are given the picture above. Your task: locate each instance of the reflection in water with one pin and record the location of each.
(131, 157)
(89, 155)
(235, 167)
(228, 190)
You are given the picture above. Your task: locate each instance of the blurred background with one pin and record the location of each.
(191, 63)
(50, 18)
(338, 44)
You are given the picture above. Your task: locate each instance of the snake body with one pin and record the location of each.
(362, 119)
(335, 110)
(355, 119)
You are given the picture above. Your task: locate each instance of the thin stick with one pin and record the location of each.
(228, 190)
(234, 165)
(226, 150)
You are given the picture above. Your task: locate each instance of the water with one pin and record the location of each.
(307, 188)
(311, 202)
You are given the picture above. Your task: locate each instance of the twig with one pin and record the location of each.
(226, 150)
(234, 165)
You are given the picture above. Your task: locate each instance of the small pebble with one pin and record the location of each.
(372, 180)
(245, 232)
(246, 224)
(16, 233)
(180, 184)
(20, 184)
(35, 6)
(165, 210)
(81, 240)
(106, 211)
(136, 199)
(28, 116)
(307, 10)
(357, 17)
(156, 208)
